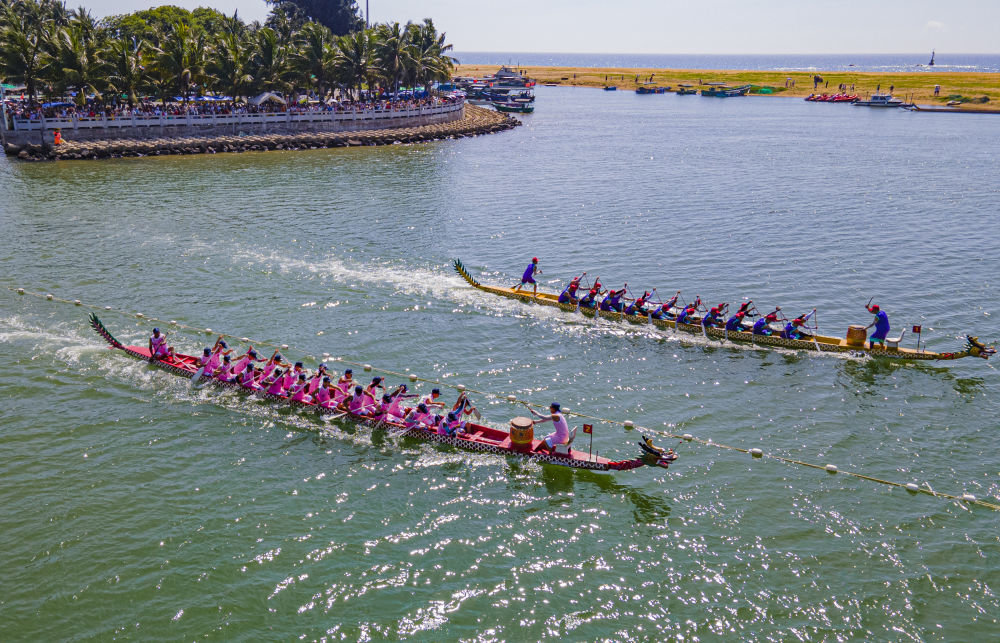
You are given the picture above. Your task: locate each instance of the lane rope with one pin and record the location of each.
(628, 425)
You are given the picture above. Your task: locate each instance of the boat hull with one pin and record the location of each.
(816, 343)
(479, 438)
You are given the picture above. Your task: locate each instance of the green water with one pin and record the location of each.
(138, 509)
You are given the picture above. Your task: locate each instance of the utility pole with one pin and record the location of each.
(368, 17)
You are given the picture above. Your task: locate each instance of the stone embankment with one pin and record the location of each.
(475, 121)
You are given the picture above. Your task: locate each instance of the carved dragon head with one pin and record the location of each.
(977, 349)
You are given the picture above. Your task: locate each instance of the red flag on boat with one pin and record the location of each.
(588, 428)
(916, 330)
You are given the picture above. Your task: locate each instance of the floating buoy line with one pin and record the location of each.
(628, 425)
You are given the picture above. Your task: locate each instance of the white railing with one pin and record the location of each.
(22, 124)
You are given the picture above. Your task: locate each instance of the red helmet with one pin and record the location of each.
(534, 260)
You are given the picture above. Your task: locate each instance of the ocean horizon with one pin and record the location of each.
(915, 62)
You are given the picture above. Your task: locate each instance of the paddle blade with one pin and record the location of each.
(197, 376)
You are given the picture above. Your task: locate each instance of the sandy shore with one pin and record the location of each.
(919, 86)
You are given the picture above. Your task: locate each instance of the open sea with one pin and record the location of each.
(135, 508)
(909, 63)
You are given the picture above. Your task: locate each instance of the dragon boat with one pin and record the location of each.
(853, 343)
(519, 442)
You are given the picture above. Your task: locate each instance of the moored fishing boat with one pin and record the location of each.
(726, 92)
(519, 442)
(514, 107)
(853, 343)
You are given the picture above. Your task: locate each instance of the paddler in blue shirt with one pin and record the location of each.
(529, 276)
(881, 324)
(613, 301)
(793, 328)
(590, 299)
(689, 310)
(568, 295)
(663, 312)
(762, 326)
(713, 318)
(735, 323)
(638, 307)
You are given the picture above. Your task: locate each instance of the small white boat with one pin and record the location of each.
(880, 100)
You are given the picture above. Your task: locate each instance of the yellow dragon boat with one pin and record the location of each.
(854, 343)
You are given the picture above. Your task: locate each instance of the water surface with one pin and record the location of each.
(138, 509)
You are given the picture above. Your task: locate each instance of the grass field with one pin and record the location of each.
(919, 86)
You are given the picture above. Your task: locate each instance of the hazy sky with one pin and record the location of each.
(677, 26)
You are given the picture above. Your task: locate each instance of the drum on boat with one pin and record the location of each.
(856, 335)
(522, 432)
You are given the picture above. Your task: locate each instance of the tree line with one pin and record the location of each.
(168, 51)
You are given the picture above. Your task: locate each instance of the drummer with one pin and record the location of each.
(561, 433)
(881, 324)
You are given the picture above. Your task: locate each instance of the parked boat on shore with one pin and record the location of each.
(726, 92)
(518, 442)
(854, 342)
(880, 100)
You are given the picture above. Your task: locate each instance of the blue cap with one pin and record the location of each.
(321, 365)
(348, 371)
(207, 351)
(358, 389)
(326, 380)
(226, 359)
(376, 380)
(555, 407)
(298, 364)
(422, 407)
(156, 330)
(223, 344)
(252, 353)
(302, 376)
(436, 391)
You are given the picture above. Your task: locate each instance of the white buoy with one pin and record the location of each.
(757, 453)
(460, 387)
(628, 424)
(367, 368)
(244, 339)
(326, 355)
(831, 468)
(688, 437)
(511, 398)
(20, 291)
(49, 296)
(968, 497)
(912, 487)
(173, 322)
(107, 308)
(208, 330)
(413, 377)
(139, 315)
(284, 347)
(77, 302)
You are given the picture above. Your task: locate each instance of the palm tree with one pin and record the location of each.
(354, 58)
(230, 66)
(391, 52)
(314, 59)
(126, 73)
(269, 63)
(23, 43)
(76, 62)
(181, 56)
(430, 53)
